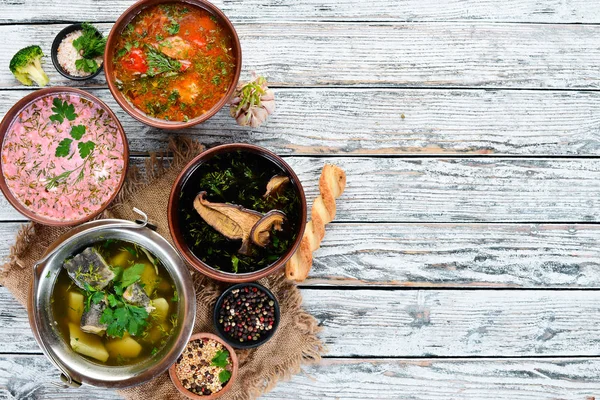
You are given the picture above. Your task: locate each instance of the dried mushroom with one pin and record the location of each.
(260, 233)
(275, 183)
(233, 222)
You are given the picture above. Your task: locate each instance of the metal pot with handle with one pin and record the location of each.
(76, 369)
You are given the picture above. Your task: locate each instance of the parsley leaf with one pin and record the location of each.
(86, 65)
(62, 110)
(92, 296)
(224, 376)
(64, 148)
(121, 53)
(124, 318)
(91, 43)
(220, 359)
(118, 271)
(85, 148)
(173, 29)
(132, 275)
(113, 301)
(77, 131)
(97, 297)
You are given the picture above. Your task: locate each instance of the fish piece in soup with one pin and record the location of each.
(90, 320)
(176, 47)
(135, 294)
(89, 268)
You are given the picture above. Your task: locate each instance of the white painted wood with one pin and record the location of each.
(420, 323)
(458, 255)
(446, 255)
(453, 189)
(558, 11)
(370, 121)
(29, 376)
(386, 54)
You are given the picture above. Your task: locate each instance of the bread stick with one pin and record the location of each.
(331, 186)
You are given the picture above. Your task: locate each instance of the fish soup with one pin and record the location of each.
(174, 61)
(239, 212)
(115, 303)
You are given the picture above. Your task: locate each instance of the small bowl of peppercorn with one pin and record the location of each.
(246, 315)
(206, 369)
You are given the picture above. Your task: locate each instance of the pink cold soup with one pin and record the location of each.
(63, 157)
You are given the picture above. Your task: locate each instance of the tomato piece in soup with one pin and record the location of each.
(135, 61)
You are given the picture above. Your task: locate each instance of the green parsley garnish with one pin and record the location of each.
(62, 110)
(89, 45)
(173, 29)
(224, 376)
(77, 131)
(64, 148)
(221, 359)
(119, 316)
(85, 148)
(86, 65)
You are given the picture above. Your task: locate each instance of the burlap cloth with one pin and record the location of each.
(295, 341)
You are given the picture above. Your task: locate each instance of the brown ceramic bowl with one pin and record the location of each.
(5, 125)
(109, 70)
(179, 240)
(234, 361)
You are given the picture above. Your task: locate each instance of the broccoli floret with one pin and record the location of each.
(26, 66)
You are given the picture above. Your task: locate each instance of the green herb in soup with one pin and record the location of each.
(239, 212)
(174, 61)
(115, 303)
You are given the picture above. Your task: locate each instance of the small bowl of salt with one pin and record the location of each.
(77, 52)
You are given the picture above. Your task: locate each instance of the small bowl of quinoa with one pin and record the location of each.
(69, 61)
(206, 369)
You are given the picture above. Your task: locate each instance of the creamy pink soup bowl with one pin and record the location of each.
(31, 161)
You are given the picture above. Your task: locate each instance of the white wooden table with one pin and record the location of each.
(464, 262)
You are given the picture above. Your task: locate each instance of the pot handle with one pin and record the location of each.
(143, 223)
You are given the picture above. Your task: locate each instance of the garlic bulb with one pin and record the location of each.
(252, 103)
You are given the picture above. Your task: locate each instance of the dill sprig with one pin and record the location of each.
(159, 63)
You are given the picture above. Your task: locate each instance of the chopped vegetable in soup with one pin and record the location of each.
(63, 157)
(115, 303)
(174, 61)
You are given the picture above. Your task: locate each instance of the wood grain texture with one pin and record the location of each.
(446, 255)
(384, 54)
(30, 376)
(396, 121)
(420, 323)
(452, 189)
(559, 11)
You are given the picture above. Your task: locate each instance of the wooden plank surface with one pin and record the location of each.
(384, 54)
(396, 121)
(557, 11)
(30, 376)
(452, 189)
(420, 323)
(445, 255)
